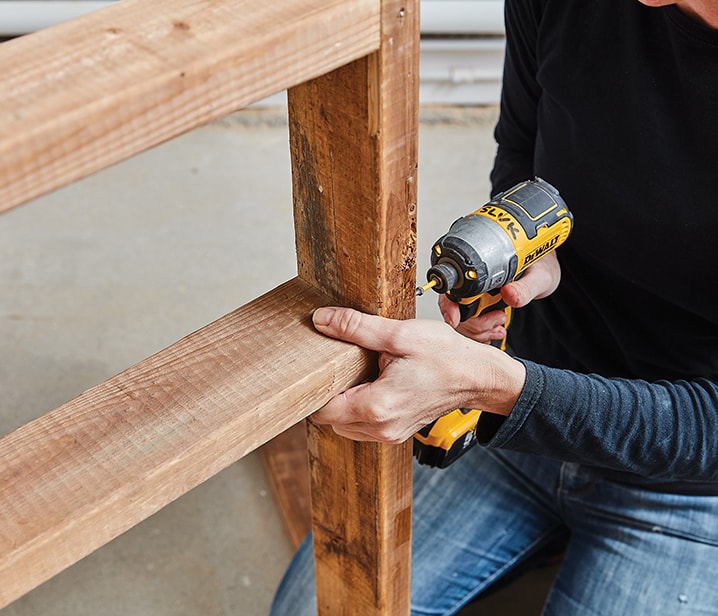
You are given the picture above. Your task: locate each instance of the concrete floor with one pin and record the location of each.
(101, 274)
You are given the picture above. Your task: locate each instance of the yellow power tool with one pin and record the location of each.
(480, 254)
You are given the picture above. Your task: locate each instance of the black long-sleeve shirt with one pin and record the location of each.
(616, 104)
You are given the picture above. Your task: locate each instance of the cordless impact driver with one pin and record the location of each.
(481, 253)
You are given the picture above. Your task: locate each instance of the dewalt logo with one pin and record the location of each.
(537, 253)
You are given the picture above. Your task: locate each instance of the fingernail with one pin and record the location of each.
(322, 316)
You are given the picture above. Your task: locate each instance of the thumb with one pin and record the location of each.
(518, 293)
(539, 281)
(369, 331)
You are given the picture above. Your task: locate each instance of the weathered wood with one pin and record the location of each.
(361, 510)
(79, 476)
(353, 135)
(286, 463)
(87, 93)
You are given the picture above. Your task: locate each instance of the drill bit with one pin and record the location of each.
(424, 288)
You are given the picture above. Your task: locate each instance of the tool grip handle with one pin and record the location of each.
(476, 306)
(481, 304)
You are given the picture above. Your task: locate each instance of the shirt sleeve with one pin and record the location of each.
(658, 430)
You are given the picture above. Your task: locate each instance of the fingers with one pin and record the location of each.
(449, 311)
(487, 327)
(353, 414)
(369, 331)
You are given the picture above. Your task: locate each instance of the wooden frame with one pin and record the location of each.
(82, 95)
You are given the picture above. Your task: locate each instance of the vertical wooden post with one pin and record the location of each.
(353, 136)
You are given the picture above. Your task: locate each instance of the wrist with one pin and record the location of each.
(500, 380)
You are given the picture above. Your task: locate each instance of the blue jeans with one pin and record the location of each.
(631, 551)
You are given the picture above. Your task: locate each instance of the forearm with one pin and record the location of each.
(658, 430)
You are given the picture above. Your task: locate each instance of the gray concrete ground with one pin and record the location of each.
(101, 274)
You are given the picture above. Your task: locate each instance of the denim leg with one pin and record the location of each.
(472, 523)
(296, 595)
(475, 521)
(635, 551)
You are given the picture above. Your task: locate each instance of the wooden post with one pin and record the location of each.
(353, 136)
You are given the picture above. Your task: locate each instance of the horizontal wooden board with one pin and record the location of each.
(89, 92)
(82, 474)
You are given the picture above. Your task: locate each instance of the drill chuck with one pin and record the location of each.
(445, 275)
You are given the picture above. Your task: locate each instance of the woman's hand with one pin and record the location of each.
(538, 281)
(426, 370)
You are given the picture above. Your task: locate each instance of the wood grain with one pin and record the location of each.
(87, 93)
(353, 136)
(286, 462)
(79, 476)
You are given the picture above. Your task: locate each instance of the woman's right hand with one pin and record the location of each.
(538, 281)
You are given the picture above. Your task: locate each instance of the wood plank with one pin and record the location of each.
(79, 476)
(87, 93)
(353, 135)
(286, 463)
(361, 506)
